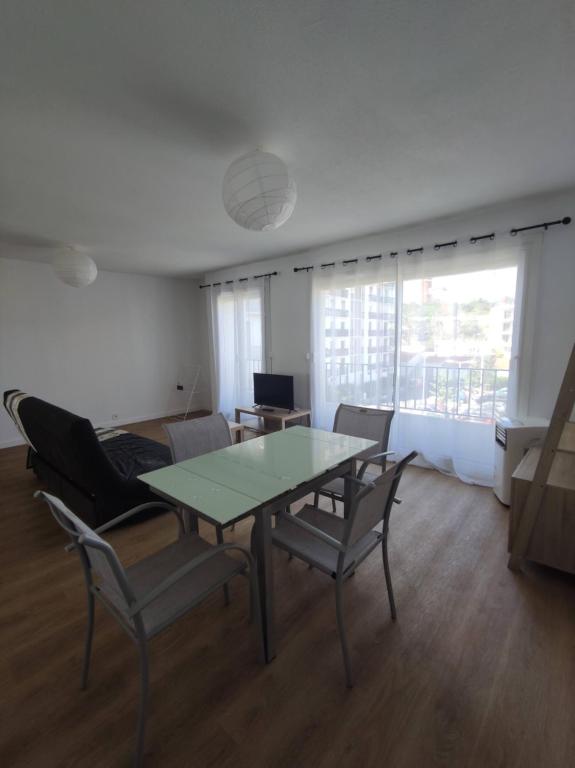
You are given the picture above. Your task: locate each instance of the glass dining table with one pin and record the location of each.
(260, 477)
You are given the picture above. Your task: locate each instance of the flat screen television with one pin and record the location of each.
(273, 390)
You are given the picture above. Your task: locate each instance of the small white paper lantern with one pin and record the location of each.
(258, 191)
(75, 268)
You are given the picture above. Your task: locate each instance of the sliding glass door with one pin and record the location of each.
(456, 341)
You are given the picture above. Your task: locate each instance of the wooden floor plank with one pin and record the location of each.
(478, 670)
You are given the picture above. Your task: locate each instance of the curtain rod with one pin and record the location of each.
(438, 246)
(239, 280)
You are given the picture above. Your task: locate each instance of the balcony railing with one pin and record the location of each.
(471, 393)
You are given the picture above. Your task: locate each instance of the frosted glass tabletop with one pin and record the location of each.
(214, 500)
(225, 484)
(244, 479)
(293, 455)
(334, 438)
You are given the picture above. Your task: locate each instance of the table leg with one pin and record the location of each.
(262, 546)
(190, 520)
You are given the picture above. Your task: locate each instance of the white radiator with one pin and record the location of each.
(512, 440)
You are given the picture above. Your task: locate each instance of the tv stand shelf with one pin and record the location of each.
(273, 418)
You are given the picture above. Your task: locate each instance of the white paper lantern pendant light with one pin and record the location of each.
(75, 268)
(259, 192)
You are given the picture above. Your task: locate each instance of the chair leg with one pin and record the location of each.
(220, 540)
(388, 579)
(142, 709)
(342, 637)
(333, 505)
(88, 643)
(316, 499)
(256, 614)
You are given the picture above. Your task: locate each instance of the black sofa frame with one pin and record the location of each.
(96, 478)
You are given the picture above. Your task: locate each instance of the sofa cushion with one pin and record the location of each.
(133, 455)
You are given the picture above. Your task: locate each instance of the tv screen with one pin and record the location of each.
(273, 390)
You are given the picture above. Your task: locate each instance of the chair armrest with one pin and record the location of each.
(319, 534)
(369, 461)
(136, 510)
(130, 513)
(178, 574)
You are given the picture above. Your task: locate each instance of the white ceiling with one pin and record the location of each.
(118, 119)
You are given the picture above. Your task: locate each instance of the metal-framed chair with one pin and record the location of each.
(359, 421)
(195, 437)
(153, 593)
(337, 546)
(189, 439)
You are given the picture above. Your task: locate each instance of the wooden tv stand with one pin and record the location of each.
(273, 418)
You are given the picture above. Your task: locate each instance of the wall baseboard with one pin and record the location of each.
(11, 443)
(112, 423)
(136, 419)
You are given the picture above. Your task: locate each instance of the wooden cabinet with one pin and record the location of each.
(553, 538)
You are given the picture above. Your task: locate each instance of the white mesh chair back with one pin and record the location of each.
(189, 439)
(97, 555)
(369, 423)
(372, 505)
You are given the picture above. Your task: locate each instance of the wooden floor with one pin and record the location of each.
(479, 669)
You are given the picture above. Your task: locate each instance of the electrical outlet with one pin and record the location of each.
(179, 387)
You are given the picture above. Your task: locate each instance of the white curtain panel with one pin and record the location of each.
(237, 315)
(353, 337)
(459, 341)
(438, 336)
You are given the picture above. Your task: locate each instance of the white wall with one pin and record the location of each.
(111, 351)
(117, 346)
(553, 314)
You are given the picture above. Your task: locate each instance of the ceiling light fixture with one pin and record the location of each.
(259, 192)
(74, 268)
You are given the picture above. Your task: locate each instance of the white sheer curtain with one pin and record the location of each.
(437, 336)
(459, 344)
(353, 337)
(237, 315)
